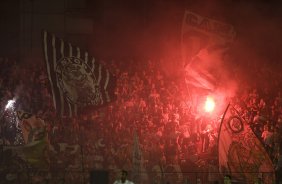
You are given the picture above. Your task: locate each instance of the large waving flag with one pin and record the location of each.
(240, 153)
(76, 79)
(203, 44)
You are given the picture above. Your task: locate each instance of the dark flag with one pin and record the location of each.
(76, 79)
(240, 153)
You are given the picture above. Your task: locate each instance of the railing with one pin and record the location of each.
(89, 177)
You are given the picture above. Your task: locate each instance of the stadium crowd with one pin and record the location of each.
(150, 104)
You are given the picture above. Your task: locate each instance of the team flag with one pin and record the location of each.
(35, 149)
(203, 44)
(33, 128)
(240, 153)
(76, 79)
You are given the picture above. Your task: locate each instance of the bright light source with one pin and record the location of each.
(210, 104)
(10, 104)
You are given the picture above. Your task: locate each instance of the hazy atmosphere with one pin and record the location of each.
(140, 92)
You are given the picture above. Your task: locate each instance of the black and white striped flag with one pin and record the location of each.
(76, 79)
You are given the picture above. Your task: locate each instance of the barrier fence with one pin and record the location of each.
(108, 177)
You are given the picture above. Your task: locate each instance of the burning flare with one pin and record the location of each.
(210, 104)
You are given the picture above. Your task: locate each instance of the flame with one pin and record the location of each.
(10, 104)
(210, 104)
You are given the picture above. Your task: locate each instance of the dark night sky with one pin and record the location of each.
(151, 29)
(145, 28)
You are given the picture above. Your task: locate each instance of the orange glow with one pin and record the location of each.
(210, 104)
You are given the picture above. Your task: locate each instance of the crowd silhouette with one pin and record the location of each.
(150, 103)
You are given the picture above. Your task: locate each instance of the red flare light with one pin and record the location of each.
(209, 104)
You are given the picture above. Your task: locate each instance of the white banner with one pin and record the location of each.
(203, 44)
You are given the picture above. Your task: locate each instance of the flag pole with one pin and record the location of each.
(81, 152)
(2, 135)
(219, 130)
